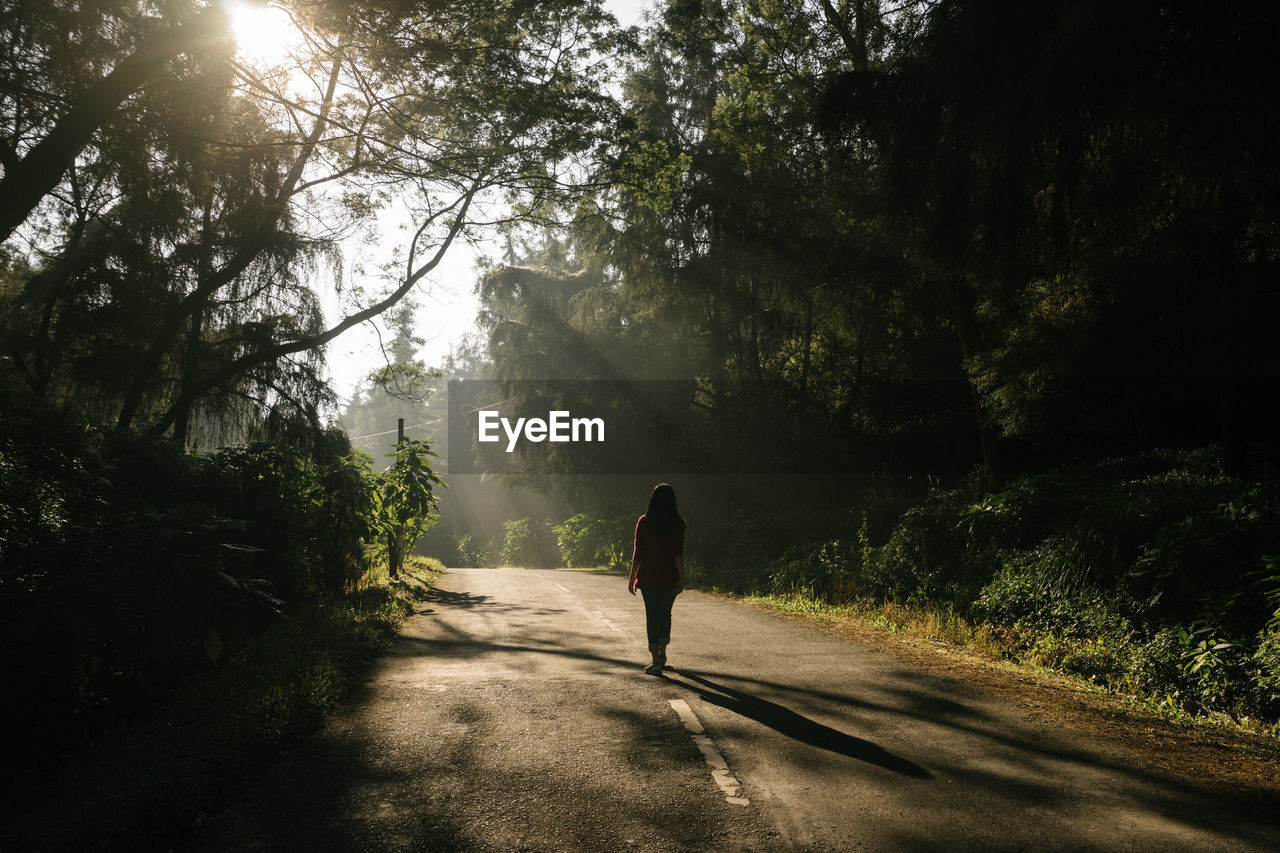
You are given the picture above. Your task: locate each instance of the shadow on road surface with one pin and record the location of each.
(498, 704)
(455, 599)
(787, 722)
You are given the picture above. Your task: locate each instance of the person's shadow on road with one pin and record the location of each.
(787, 722)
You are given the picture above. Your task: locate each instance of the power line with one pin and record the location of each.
(389, 431)
(427, 423)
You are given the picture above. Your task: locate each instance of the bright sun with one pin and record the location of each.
(264, 34)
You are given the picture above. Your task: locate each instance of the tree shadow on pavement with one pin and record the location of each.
(796, 726)
(454, 599)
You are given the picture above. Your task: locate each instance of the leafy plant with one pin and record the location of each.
(472, 552)
(591, 540)
(527, 542)
(407, 503)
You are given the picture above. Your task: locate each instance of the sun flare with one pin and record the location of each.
(265, 35)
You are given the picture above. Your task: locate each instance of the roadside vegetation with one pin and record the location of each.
(151, 784)
(172, 620)
(953, 313)
(1154, 576)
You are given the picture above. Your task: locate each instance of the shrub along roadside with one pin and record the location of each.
(528, 542)
(129, 567)
(148, 787)
(1153, 576)
(582, 541)
(588, 540)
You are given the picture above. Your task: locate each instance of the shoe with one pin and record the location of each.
(659, 661)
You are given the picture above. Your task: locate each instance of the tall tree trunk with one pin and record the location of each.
(806, 356)
(204, 267)
(854, 35)
(190, 364)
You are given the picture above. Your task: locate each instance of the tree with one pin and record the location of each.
(42, 146)
(754, 247)
(403, 388)
(1090, 188)
(479, 105)
(407, 500)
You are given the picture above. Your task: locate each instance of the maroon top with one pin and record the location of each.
(657, 556)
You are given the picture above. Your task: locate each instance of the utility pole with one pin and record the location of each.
(395, 554)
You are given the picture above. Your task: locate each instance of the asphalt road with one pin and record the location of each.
(513, 714)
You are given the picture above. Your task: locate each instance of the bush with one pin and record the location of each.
(472, 553)
(309, 519)
(829, 570)
(1264, 674)
(529, 543)
(128, 566)
(1155, 574)
(592, 540)
(1154, 667)
(122, 572)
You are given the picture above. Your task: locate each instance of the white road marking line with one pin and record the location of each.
(719, 767)
(599, 614)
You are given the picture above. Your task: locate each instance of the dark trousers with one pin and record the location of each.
(657, 615)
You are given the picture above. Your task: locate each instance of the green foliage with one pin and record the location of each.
(153, 780)
(129, 566)
(1264, 672)
(1150, 575)
(311, 514)
(529, 543)
(1153, 583)
(1212, 566)
(591, 540)
(828, 571)
(472, 552)
(406, 504)
(654, 173)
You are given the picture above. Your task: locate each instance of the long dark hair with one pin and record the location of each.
(664, 518)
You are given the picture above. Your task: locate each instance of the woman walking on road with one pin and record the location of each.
(657, 568)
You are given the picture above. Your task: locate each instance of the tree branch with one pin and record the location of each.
(35, 176)
(239, 262)
(248, 362)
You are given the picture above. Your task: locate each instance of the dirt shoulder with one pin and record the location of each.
(1205, 753)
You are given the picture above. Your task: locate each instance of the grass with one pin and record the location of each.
(1151, 576)
(942, 624)
(939, 623)
(150, 786)
(618, 569)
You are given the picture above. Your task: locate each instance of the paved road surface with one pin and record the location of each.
(513, 715)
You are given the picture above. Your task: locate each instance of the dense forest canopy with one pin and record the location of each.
(915, 236)
(1044, 232)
